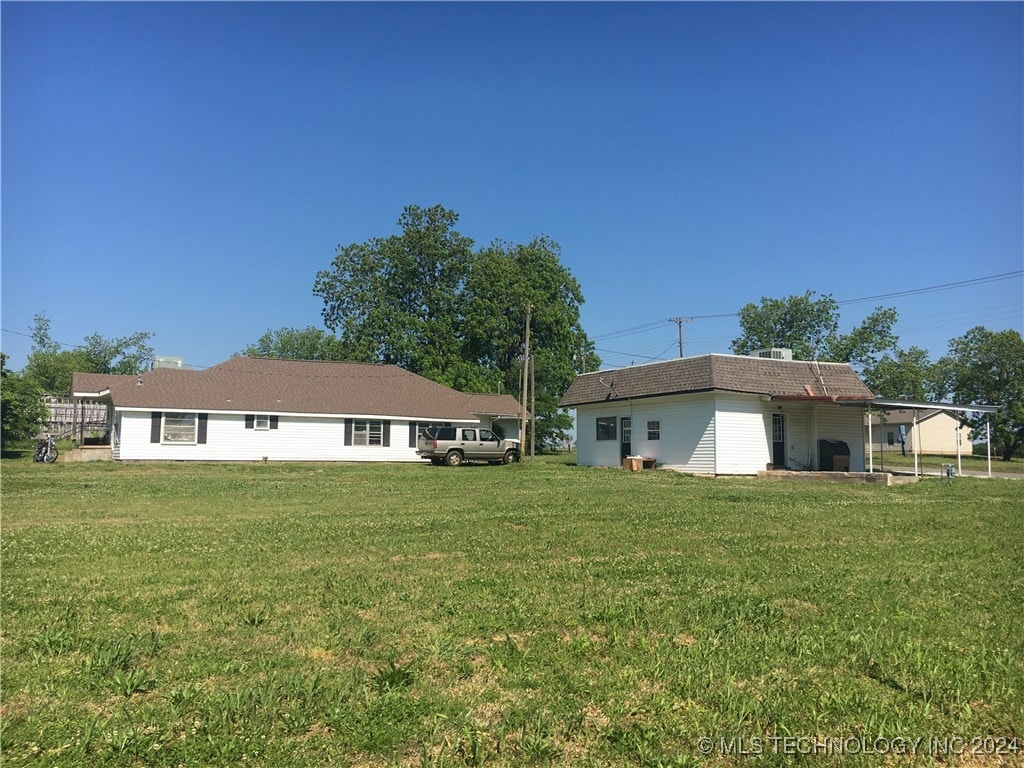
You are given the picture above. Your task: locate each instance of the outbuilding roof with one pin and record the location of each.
(267, 385)
(778, 379)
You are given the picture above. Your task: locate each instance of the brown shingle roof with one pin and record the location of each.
(725, 373)
(266, 385)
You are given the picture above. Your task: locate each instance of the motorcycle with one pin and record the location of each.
(46, 450)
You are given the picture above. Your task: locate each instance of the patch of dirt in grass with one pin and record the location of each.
(793, 607)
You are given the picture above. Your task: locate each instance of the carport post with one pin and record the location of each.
(871, 444)
(913, 428)
(958, 433)
(988, 441)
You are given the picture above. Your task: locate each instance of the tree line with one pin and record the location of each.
(429, 300)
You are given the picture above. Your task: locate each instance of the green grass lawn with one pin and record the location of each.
(310, 615)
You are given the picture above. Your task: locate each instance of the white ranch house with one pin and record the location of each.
(260, 409)
(722, 415)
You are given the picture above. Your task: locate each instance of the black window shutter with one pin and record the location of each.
(250, 421)
(386, 430)
(414, 427)
(154, 427)
(348, 431)
(201, 428)
(273, 422)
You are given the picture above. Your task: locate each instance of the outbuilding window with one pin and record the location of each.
(606, 428)
(654, 430)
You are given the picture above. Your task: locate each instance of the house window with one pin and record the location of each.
(654, 430)
(606, 428)
(179, 428)
(367, 432)
(262, 421)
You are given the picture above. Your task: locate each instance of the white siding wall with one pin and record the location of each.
(297, 438)
(742, 434)
(687, 432)
(808, 423)
(590, 451)
(801, 445)
(846, 424)
(722, 433)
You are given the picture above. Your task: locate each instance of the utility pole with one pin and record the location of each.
(679, 321)
(524, 391)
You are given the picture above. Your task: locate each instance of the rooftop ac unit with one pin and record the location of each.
(776, 353)
(163, 361)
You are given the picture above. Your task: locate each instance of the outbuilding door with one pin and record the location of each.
(626, 435)
(778, 440)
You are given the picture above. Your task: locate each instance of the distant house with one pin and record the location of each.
(251, 409)
(722, 415)
(937, 433)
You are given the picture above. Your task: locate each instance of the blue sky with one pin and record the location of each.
(187, 168)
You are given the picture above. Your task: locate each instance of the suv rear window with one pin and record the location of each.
(440, 433)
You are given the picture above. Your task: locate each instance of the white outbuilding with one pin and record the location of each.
(722, 415)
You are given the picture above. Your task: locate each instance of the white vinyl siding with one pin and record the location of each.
(807, 423)
(846, 424)
(720, 433)
(799, 433)
(590, 451)
(297, 438)
(687, 436)
(742, 435)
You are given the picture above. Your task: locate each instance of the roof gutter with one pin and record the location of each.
(817, 399)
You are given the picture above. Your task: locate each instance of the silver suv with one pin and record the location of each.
(456, 445)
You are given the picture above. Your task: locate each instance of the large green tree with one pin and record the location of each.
(425, 300)
(396, 299)
(906, 374)
(297, 344)
(50, 366)
(504, 280)
(809, 326)
(987, 368)
(21, 405)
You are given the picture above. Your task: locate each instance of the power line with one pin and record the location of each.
(58, 343)
(941, 287)
(895, 294)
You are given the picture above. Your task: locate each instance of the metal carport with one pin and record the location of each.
(883, 403)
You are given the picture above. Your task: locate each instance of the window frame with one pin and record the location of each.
(368, 433)
(261, 421)
(607, 428)
(179, 417)
(654, 432)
